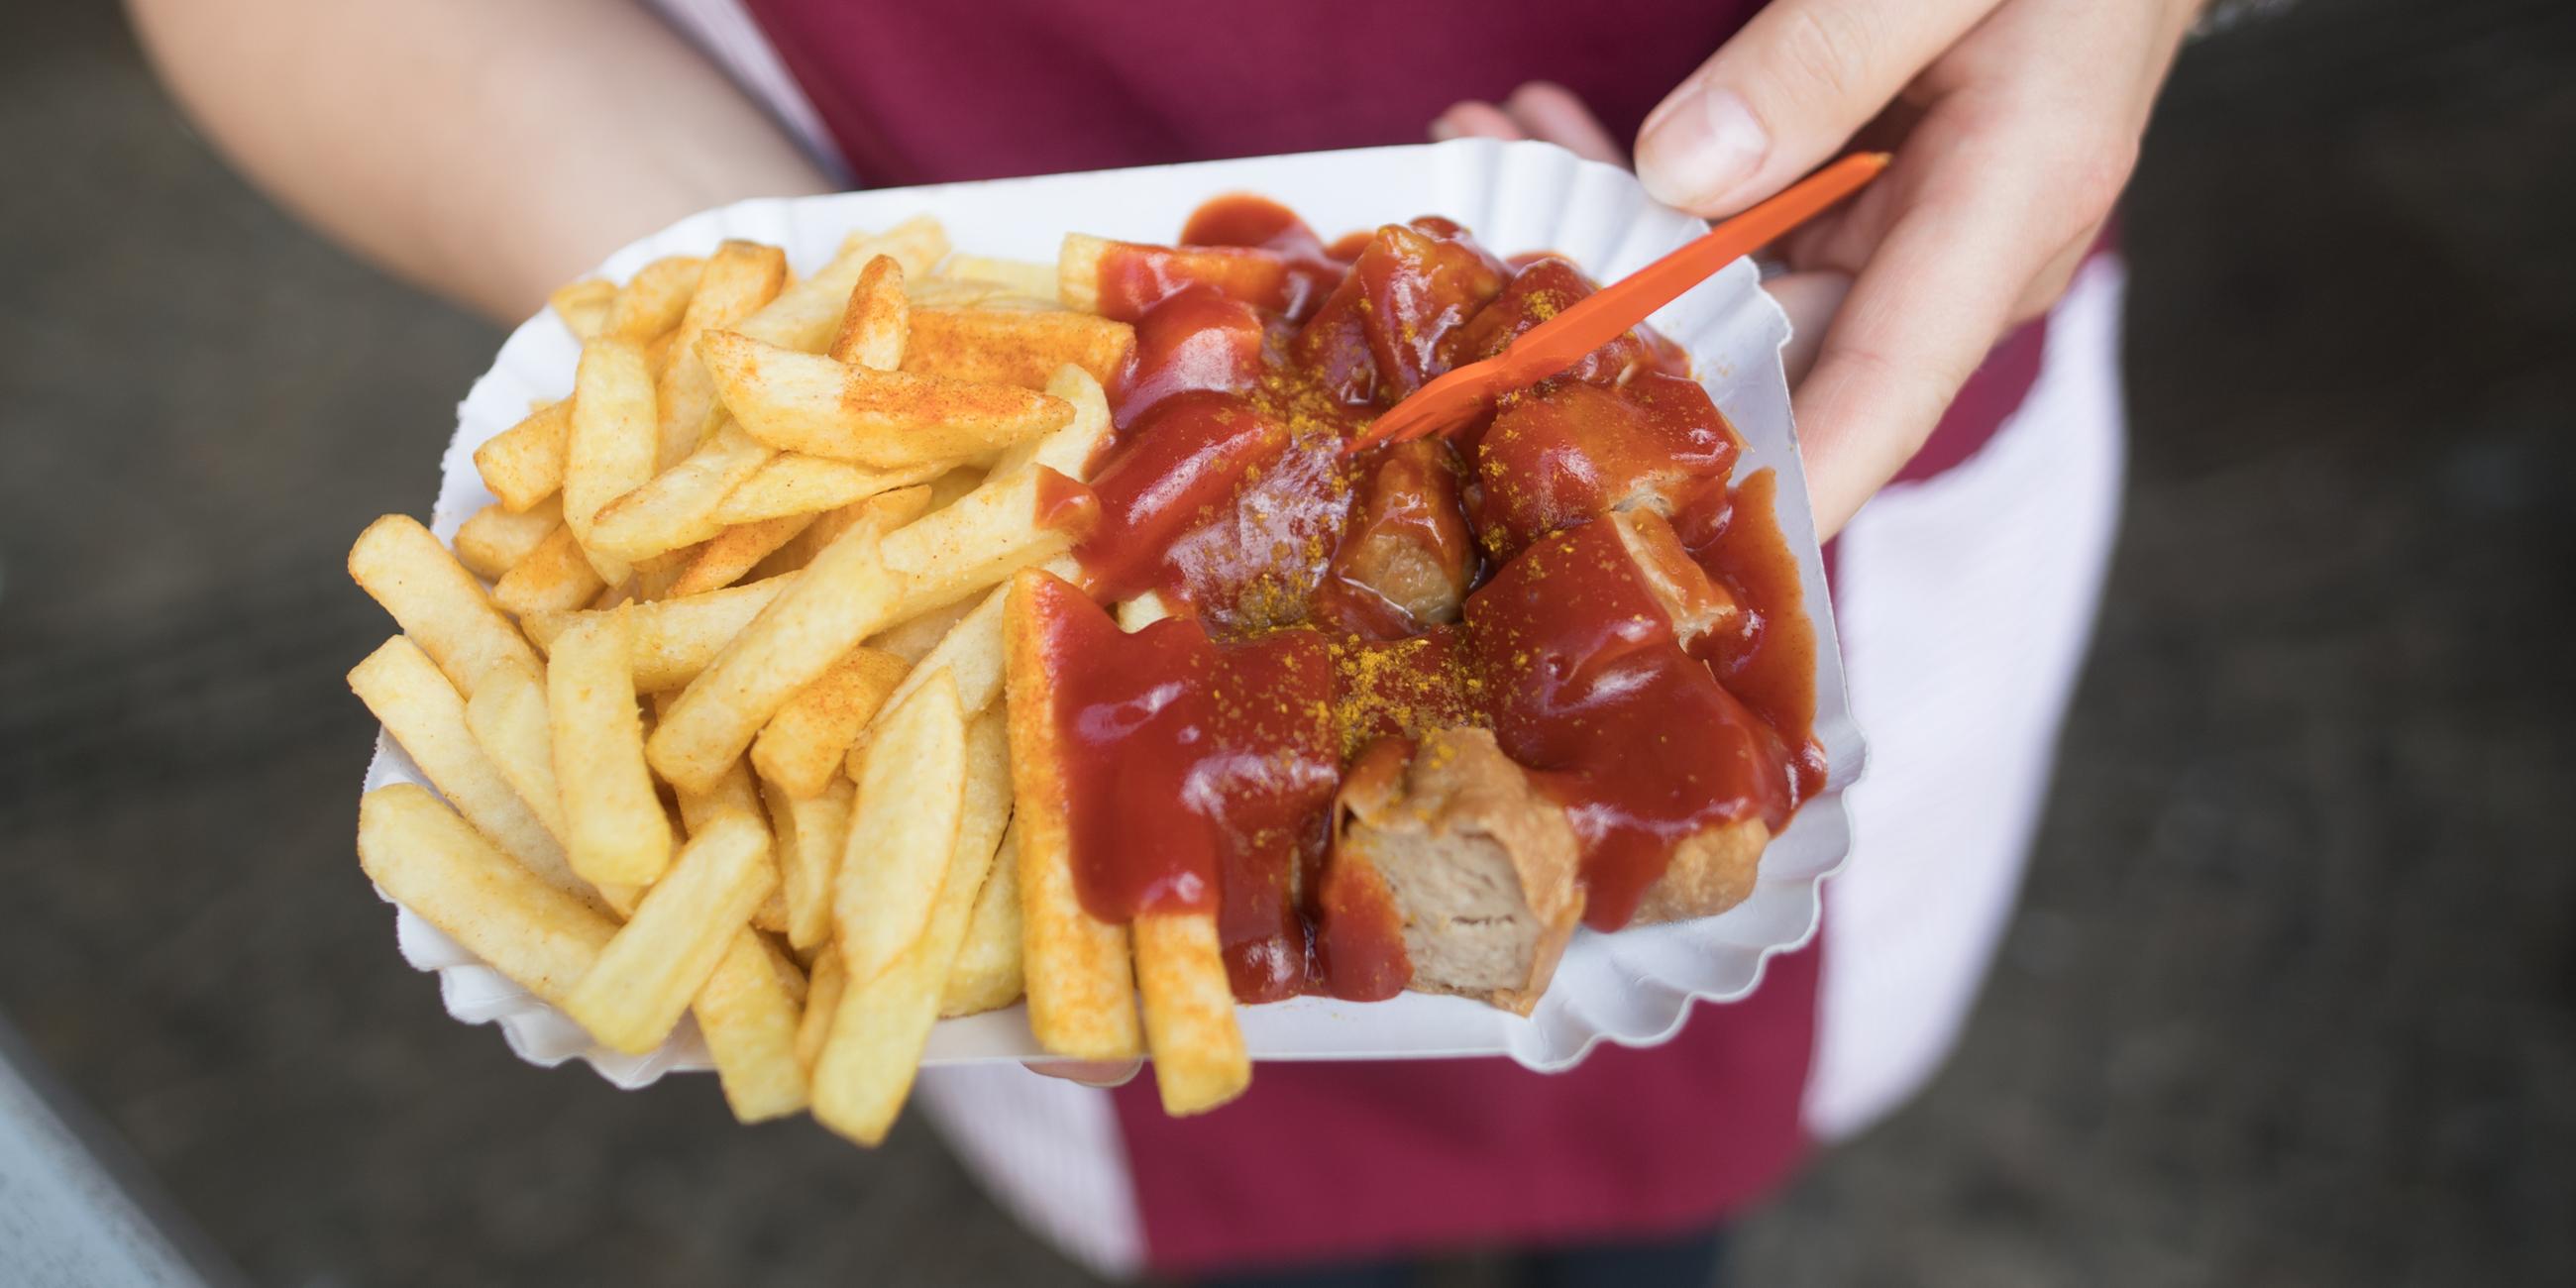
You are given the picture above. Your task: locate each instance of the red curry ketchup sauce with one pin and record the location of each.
(1327, 607)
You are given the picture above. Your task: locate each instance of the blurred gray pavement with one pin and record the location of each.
(2292, 999)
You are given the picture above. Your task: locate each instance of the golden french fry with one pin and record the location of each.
(822, 998)
(874, 324)
(646, 976)
(1077, 278)
(493, 538)
(1081, 991)
(740, 278)
(609, 451)
(1068, 451)
(438, 602)
(583, 305)
(615, 830)
(748, 1013)
(554, 576)
(887, 511)
(986, 974)
(802, 402)
(678, 507)
(734, 792)
(994, 531)
(912, 638)
(1239, 272)
(911, 807)
(805, 314)
(734, 552)
(971, 652)
(422, 711)
(961, 293)
(844, 594)
(800, 749)
(1199, 1059)
(1023, 277)
(793, 483)
(1014, 346)
(507, 716)
(811, 831)
(524, 464)
(430, 861)
(654, 300)
(882, 1022)
(672, 640)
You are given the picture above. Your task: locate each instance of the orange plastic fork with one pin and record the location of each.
(1458, 397)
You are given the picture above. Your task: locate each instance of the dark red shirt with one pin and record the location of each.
(1335, 1162)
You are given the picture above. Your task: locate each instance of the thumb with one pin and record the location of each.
(1787, 92)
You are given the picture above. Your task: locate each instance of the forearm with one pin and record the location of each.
(485, 149)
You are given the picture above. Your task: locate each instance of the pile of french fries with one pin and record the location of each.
(713, 696)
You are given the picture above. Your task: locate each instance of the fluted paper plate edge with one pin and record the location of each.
(1634, 987)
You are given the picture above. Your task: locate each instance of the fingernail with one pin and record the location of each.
(1442, 131)
(1698, 148)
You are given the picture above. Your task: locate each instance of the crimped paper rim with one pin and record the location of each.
(1634, 987)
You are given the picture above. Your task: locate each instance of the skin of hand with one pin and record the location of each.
(2014, 123)
(487, 150)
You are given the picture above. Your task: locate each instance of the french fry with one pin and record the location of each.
(1244, 273)
(800, 402)
(672, 640)
(903, 830)
(951, 553)
(609, 451)
(664, 954)
(811, 831)
(873, 326)
(524, 464)
(986, 974)
(973, 655)
(583, 305)
(833, 604)
(805, 314)
(734, 792)
(1077, 263)
(960, 293)
(886, 510)
(615, 830)
(800, 749)
(748, 1013)
(1068, 451)
(554, 576)
(493, 538)
(740, 277)
(822, 999)
(793, 483)
(654, 300)
(1081, 990)
(1014, 346)
(678, 507)
(507, 716)
(1199, 1059)
(1024, 277)
(656, 574)
(438, 602)
(882, 1021)
(733, 553)
(422, 711)
(912, 638)
(432, 862)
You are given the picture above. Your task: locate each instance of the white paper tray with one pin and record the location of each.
(1632, 987)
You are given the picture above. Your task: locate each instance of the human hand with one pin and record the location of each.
(2015, 124)
(1090, 1073)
